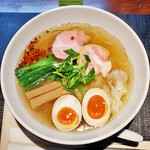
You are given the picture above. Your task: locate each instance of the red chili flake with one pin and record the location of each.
(31, 49)
(32, 55)
(72, 38)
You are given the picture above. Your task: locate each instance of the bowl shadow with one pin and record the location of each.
(100, 144)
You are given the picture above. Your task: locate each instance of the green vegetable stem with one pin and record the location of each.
(35, 74)
(68, 72)
(23, 70)
(38, 81)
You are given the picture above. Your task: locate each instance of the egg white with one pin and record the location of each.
(66, 101)
(95, 122)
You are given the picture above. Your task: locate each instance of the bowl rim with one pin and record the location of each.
(65, 142)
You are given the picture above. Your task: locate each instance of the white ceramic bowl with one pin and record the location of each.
(83, 14)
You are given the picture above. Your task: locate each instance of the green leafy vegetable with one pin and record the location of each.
(87, 58)
(72, 56)
(38, 81)
(68, 72)
(35, 74)
(23, 70)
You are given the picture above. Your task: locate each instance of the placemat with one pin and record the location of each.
(15, 137)
(11, 22)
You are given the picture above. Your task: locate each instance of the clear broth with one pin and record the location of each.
(99, 36)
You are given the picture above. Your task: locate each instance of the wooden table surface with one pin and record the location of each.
(14, 13)
(114, 6)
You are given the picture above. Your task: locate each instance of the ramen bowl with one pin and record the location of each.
(82, 14)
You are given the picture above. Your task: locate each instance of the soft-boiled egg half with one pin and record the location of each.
(96, 107)
(66, 113)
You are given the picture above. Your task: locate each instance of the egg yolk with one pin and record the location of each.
(66, 116)
(97, 107)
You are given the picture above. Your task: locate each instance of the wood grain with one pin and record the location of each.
(127, 6)
(11, 22)
(9, 122)
(114, 6)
